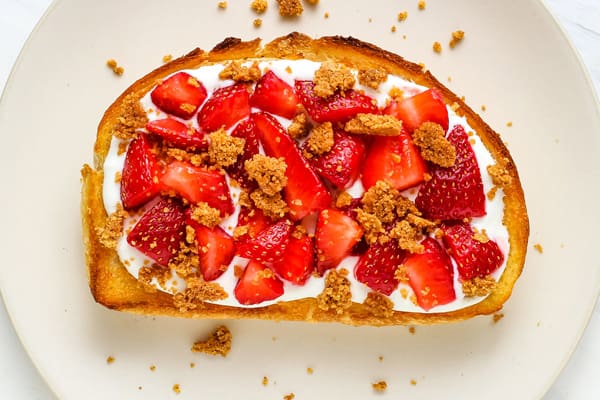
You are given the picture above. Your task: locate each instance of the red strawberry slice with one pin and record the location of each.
(394, 159)
(225, 107)
(455, 192)
(473, 258)
(254, 220)
(159, 231)
(430, 275)
(180, 94)
(196, 184)
(178, 134)
(377, 267)
(245, 130)
(427, 106)
(336, 108)
(336, 235)
(304, 192)
(298, 260)
(140, 176)
(268, 245)
(272, 94)
(257, 284)
(342, 164)
(215, 250)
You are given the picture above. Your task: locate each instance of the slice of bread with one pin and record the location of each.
(113, 286)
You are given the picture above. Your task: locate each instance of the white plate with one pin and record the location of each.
(514, 60)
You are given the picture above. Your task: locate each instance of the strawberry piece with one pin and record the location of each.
(159, 231)
(298, 260)
(196, 184)
(342, 164)
(394, 159)
(455, 192)
(377, 267)
(180, 94)
(423, 107)
(430, 275)
(272, 94)
(257, 284)
(178, 134)
(245, 129)
(140, 176)
(336, 108)
(255, 221)
(225, 107)
(473, 258)
(268, 245)
(215, 249)
(304, 192)
(336, 235)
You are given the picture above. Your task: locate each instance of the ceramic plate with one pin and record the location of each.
(514, 60)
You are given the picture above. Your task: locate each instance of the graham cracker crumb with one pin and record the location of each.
(177, 388)
(186, 262)
(491, 194)
(408, 236)
(401, 274)
(259, 6)
(312, 2)
(152, 368)
(539, 248)
(326, 15)
(133, 117)
(118, 177)
(299, 232)
(113, 228)
(381, 200)
(380, 358)
(336, 296)
(273, 206)
(374, 124)
(222, 5)
(396, 93)
(205, 215)
(457, 36)
(196, 293)
(244, 199)
(257, 22)
(217, 344)
(224, 149)
(239, 73)
(147, 274)
(402, 16)
(299, 126)
(289, 396)
(290, 8)
(393, 28)
(437, 47)
(110, 359)
(480, 236)
(379, 305)
(344, 199)
(500, 175)
(192, 365)
(371, 225)
(411, 330)
(320, 140)
(497, 317)
(112, 64)
(509, 124)
(309, 371)
(265, 381)
(421, 5)
(167, 58)
(372, 77)
(332, 76)
(431, 139)
(122, 149)
(380, 386)
(479, 286)
(483, 108)
(413, 382)
(268, 172)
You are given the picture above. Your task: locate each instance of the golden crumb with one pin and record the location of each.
(381, 200)
(217, 344)
(509, 124)
(290, 8)
(289, 396)
(257, 22)
(393, 28)
(122, 148)
(133, 117)
(483, 108)
(236, 71)
(380, 358)
(152, 368)
(431, 140)
(177, 388)
(206, 215)
(320, 140)
(265, 381)
(332, 76)
(112, 64)
(299, 232)
(309, 371)
(268, 172)
(113, 228)
(274, 206)
(222, 5)
(186, 261)
(326, 15)
(312, 2)
(479, 286)
(421, 5)
(401, 274)
(374, 124)
(167, 58)
(147, 274)
(225, 149)
(497, 317)
(480, 235)
(408, 236)
(437, 47)
(372, 77)
(192, 365)
(118, 177)
(344, 199)
(380, 386)
(110, 359)
(413, 382)
(379, 305)
(371, 224)
(259, 6)
(299, 126)
(491, 194)
(196, 293)
(457, 37)
(411, 329)
(336, 296)
(402, 16)
(539, 248)
(500, 175)
(396, 93)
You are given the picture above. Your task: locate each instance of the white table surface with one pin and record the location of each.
(579, 380)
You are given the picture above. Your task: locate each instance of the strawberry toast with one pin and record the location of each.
(306, 179)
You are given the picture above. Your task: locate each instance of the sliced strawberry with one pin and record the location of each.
(257, 284)
(215, 250)
(225, 107)
(377, 267)
(427, 106)
(178, 134)
(159, 231)
(140, 176)
(304, 192)
(245, 129)
(336, 108)
(394, 159)
(455, 192)
(430, 275)
(341, 165)
(254, 220)
(298, 260)
(180, 94)
(272, 94)
(336, 235)
(473, 258)
(268, 245)
(196, 184)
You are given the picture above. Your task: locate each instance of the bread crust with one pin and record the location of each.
(111, 284)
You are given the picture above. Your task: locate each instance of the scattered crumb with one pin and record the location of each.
(478, 286)
(113, 228)
(257, 22)
(133, 117)
(408, 236)
(196, 293)
(483, 107)
(167, 58)
(240, 73)
(289, 396)
(431, 140)
(153, 368)
(332, 76)
(457, 36)
(379, 386)
(372, 225)
(372, 77)
(509, 124)
(437, 47)
(396, 93)
(402, 16)
(539, 248)
(480, 235)
(205, 215)
(225, 149)
(139, 388)
(177, 388)
(421, 5)
(344, 199)
(320, 140)
(259, 6)
(380, 358)
(222, 5)
(413, 382)
(497, 317)
(449, 79)
(268, 172)
(374, 124)
(326, 15)
(336, 296)
(312, 2)
(299, 126)
(411, 330)
(218, 343)
(500, 175)
(290, 8)
(192, 365)
(110, 359)
(273, 206)
(112, 64)
(309, 371)
(381, 200)
(393, 28)
(379, 305)
(265, 381)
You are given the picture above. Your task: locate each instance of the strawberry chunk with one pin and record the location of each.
(178, 134)
(298, 260)
(304, 192)
(342, 164)
(336, 108)
(215, 250)
(473, 258)
(196, 184)
(272, 94)
(267, 246)
(257, 284)
(427, 106)
(159, 232)
(140, 176)
(377, 267)
(245, 130)
(455, 192)
(430, 275)
(394, 159)
(254, 220)
(336, 234)
(180, 94)
(225, 107)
